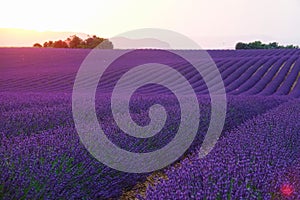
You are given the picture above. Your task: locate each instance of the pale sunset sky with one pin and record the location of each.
(211, 23)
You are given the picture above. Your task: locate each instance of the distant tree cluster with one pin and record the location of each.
(260, 45)
(76, 42)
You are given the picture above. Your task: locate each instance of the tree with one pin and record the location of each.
(273, 45)
(256, 45)
(241, 45)
(106, 44)
(292, 47)
(48, 44)
(75, 42)
(260, 45)
(37, 45)
(45, 44)
(60, 44)
(93, 42)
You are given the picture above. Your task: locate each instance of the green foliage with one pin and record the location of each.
(260, 45)
(76, 42)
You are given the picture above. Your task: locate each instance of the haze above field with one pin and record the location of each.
(211, 23)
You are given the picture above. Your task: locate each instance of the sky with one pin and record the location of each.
(211, 23)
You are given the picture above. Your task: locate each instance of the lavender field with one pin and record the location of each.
(256, 157)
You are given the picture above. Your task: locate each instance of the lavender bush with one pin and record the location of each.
(42, 157)
(253, 161)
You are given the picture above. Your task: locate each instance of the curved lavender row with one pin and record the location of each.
(37, 135)
(262, 83)
(276, 82)
(291, 78)
(34, 120)
(224, 69)
(200, 85)
(296, 91)
(233, 71)
(54, 165)
(51, 162)
(54, 70)
(254, 161)
(251, 82)
(253, 53)
(244, 78)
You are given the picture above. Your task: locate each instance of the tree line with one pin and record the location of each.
(260, 45)
(76, 42)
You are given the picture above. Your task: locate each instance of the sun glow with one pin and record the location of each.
(55, 15)
(211, 23)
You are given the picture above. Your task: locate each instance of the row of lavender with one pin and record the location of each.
(251, 72)
(40, 150)
(259, 159)
(42, 156)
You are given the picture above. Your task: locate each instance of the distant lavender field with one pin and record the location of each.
(257, 156)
